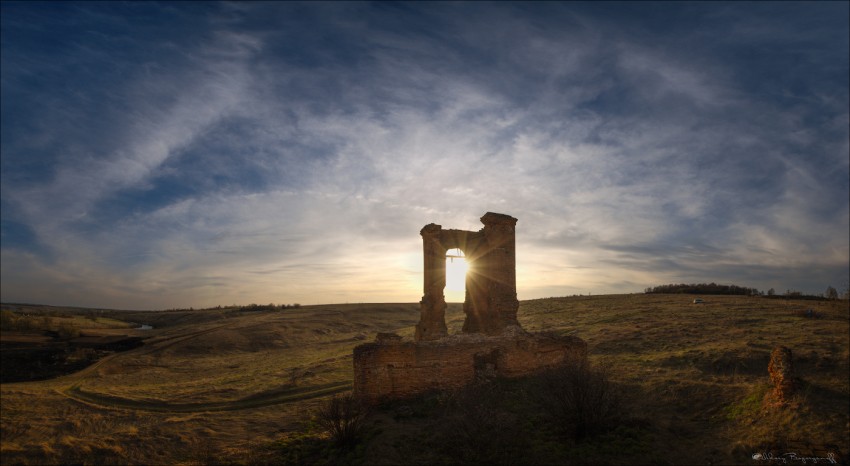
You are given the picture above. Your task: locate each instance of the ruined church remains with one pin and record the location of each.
(492, 342)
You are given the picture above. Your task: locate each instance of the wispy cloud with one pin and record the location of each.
(291, 152)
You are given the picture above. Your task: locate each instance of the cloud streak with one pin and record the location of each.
(291, 152)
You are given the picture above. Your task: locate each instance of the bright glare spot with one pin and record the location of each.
(455, 276)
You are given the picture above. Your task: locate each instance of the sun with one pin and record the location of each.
(456, 267)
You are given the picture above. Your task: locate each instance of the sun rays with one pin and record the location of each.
(456, 267)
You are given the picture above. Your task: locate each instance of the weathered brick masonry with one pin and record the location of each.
(492, 343)
(394, 368)
(491, 303)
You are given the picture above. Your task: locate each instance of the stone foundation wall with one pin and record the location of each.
(394, 368)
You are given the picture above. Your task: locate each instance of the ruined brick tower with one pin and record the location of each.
(491, 303)
(492, 343)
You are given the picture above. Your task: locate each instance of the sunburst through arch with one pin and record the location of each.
(456, 268)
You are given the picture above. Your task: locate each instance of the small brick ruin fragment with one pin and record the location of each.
(492, 343)
(781, 376)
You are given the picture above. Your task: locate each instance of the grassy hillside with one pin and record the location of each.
(218, 385)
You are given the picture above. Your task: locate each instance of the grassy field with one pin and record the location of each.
(219, 386)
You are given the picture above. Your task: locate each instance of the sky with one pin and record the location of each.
(177, 154)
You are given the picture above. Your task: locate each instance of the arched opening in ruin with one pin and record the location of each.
(490, 301)
(456, 268)
(392, 368)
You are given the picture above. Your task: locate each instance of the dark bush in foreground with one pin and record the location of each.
(570, 415)
(344, 418)
(479, 430)
(581, 400)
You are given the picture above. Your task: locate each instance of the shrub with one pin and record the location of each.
(295, 448)
(344, 418)
(8, 319)
(13, 321)
(83, 354)
(66, 330)
(581, 399)
(479, 427)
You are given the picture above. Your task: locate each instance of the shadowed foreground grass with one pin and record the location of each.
(219, 387)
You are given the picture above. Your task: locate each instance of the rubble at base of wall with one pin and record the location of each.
(392, 367)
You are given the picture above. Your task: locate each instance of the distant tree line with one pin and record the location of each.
(267, 307)
(233, 308)
(791, 294)
(715, 289)
(702, 288)
(14, 321)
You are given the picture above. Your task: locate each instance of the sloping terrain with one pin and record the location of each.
(161, 402)
(223, 384)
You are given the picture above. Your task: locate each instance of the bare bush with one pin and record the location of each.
(13, 321)
(480, 430)
(8, 319)
(582, 400)
(67, 331)
(344, 418)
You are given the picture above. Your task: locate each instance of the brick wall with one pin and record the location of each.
(393, 368)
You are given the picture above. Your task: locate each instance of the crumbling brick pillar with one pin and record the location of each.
(491, 304)
(432, 321)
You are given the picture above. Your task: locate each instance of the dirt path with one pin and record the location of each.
(147, 348)
(287, 395)
(73, 390)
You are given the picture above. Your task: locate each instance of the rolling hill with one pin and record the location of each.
(224, 385)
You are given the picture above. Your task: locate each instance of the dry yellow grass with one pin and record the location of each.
(700, 370)
(217, 386)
